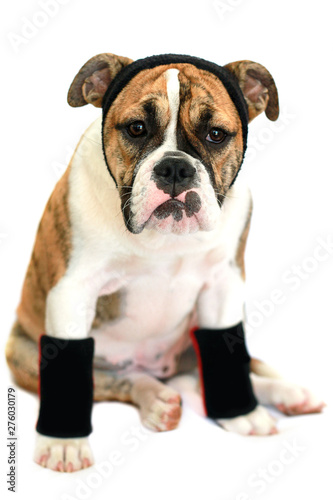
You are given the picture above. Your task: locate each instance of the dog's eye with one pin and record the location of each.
(136, 129)
(216, 135)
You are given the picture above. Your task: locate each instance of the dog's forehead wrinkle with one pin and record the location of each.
(152, 99)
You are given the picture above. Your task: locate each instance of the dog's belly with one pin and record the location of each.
(154, 315)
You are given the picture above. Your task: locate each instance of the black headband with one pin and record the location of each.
(225, 76)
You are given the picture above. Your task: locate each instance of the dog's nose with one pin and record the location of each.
(174, 171)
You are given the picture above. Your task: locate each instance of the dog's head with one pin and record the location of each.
(174, 132)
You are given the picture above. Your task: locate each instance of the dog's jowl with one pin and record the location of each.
(137, 271)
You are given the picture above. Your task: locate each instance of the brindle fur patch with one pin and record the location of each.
(108, 308)
(49, 260)
(22, 358)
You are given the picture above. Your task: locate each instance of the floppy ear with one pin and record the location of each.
(258, 88)
(91, 82)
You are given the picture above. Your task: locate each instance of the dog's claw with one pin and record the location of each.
(70, 467)
(42, 461)
(60, 466)
(85, 463)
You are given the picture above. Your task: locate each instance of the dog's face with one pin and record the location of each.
(173, 140)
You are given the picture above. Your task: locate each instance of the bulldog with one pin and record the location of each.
(142, 242)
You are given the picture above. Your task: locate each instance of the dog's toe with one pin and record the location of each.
(42, 459)
(56, 458)
(73, 461)
(86, 455)
(162, 416)
(169, 395)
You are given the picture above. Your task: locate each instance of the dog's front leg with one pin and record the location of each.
(66, 386)
(223, 357)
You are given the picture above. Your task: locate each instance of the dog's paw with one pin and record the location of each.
(63, 455)
(292, 399)
(159, 405)
(162, 412)
(256, 423)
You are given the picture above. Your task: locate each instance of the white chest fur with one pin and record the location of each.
(157, 304)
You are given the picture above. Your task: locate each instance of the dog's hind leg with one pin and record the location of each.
(263, 369)
(22, 358)
(270, 388)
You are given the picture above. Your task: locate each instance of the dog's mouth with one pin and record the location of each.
(177, 208)
(189, 212)
(181, 215)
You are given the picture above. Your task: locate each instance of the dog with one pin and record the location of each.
(143, 239)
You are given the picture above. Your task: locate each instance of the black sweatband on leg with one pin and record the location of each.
(66, 387)
(224, 366)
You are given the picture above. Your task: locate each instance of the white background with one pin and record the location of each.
(289, 169)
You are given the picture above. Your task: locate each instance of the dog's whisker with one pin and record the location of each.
(117, 189)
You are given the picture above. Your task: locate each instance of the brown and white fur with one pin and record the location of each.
(109, 263)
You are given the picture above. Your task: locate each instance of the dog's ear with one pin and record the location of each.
(258, 88)
(91, 82)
